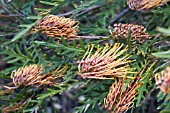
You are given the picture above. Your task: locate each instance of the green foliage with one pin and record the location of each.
(21, 46)
(165, 54)
(28, 27)
(143, 90)
(165, 101)
(163, 30)
(94, 96)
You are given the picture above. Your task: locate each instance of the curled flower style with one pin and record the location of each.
(145, 4)
(49, 77)
(163, 80)
(137, 32)
(9, 90)
(33, 75)
(15, 107)
(56, 26)
(26, 75)
(106, 63)
(121, 95)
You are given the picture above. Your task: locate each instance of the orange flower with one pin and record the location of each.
(145, 4)
(56, 26)
(123, 92)
(121, 95)
(163, 80)
(26, 75)
(106, 63)
(32, 75)
(137, 32)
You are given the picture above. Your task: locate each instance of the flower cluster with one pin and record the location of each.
(56, 26)
(145, 4)
(106, 63)
(30, 76)
(163, 80)
(33, 75)
(121, 95)
(137, 32)
(110, 63)
(26, 75)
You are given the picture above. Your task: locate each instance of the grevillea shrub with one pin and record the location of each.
(88, 56)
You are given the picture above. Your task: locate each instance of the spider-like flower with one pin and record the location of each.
(33, 75)
(26, 75)
(145, 4)
(163, 80)
(137, 32)
(106, 63)
(56, 26)
(121, 95)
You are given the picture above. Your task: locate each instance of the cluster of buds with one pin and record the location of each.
(106, 63)
(33, 75)
(122, 94)
(137, 32)
(145, 4)
(163, 80)
(56, 26)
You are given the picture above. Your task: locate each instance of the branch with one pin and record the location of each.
(159, 67)
(11, 15)
(91, 37)
(10, 34)
(9, 9)
(4, 6)
(82, 11)
(120, 15)
(89, 9)
(68, 13)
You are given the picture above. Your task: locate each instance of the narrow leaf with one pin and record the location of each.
(42, 9)
(19, 51)
(14, 60)
(163, 30)
(49, 3)
(34, 17)
(165, 54)
(20, 34)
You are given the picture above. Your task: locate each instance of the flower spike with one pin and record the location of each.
(137, 32)
(145, 4)
(56, 26)
(163, 80)
(106, 63)
(33, 75)
(122, 93)
(121, 96)
(26, 75)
